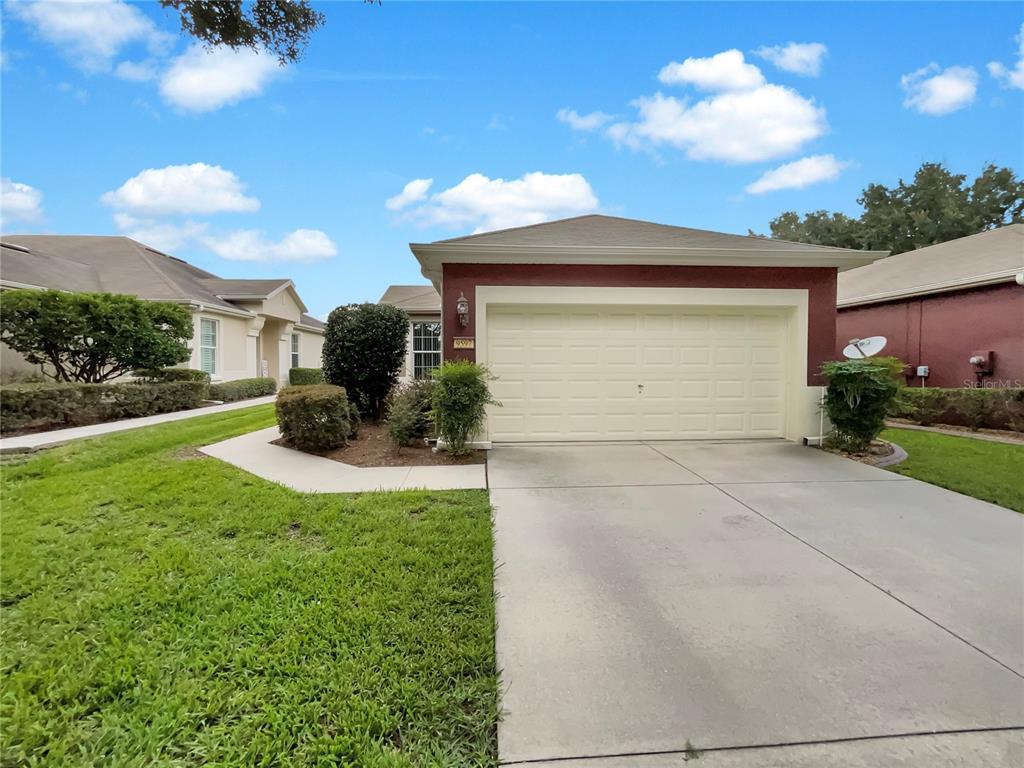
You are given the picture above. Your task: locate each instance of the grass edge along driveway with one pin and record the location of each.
(984, 469)
(162, 607)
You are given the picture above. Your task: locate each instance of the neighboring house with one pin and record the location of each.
(603, 328)
(942, 305)
(423, 305)
(243, 328)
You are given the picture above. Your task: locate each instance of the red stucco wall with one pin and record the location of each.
(942, 330)
(820, 282)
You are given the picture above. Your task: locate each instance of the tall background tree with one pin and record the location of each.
(282, 27)
(935, 207)
(93, 337)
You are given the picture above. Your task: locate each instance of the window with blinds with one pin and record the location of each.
(208, 338)
(426, 348)
(295, 350)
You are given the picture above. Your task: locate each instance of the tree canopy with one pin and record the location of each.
(282, 27)
(93, 337)
(936, 206)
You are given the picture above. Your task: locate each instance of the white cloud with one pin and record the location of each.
(800, 58)
(932, 90)
(136, 71)
(302, 245)
(798, 174)
(162, 235)
(488, 204)
(90, 32)
(578, 122)
(19, 202)
(201, 80)
(741, 127)
(411, 193)
(1010, 78)
(725, 71)
(182, 189)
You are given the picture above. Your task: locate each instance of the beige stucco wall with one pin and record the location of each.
(13, 365)
(311, 347)
(232, 333)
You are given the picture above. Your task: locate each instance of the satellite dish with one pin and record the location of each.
(860, 348)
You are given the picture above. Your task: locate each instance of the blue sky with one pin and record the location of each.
(113, 123)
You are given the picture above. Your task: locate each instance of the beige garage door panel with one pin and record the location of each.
(626, 373)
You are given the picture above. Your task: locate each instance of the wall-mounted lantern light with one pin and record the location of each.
(462, 309)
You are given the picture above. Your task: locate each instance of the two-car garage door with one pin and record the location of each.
(628, 373)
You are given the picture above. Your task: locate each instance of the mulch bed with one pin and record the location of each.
(876, 452)
(373, 448)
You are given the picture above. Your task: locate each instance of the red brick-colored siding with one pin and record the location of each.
(820, 283)
(942, 330)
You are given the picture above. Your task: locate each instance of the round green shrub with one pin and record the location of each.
(858, 397)
(314, 417)
(409, 411)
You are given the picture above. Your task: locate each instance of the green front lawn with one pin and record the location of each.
(980, 468)
(163, 608)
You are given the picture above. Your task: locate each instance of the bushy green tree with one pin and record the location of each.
(935, 207)
(282, 27)
(93, 337)
(364, 346)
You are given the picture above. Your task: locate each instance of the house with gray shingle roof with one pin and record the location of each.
(423, 305)
(243, 328)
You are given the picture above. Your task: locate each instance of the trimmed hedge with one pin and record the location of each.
(242, 389)
(300, 376)
(53, 406)
(171, 374)
(315, 417)
(460, 398)
(974, 407)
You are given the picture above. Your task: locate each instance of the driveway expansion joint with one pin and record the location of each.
(697, 751)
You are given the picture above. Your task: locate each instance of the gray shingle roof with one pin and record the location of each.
(412, 298)
(610, 231)
(110, 264)
(988, 257)
(243, 289)
(310, 322)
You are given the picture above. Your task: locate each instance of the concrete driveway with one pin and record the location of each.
(756, 603)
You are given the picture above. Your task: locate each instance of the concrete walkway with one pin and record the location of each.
(39, 440)
(314, 474)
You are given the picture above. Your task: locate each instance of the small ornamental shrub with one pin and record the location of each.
(242, 389)
(93, 337)
(460, 399)
(364, 347)
(409, 411)
(314, 417)
(299, 376)
(69, 404)
(858, 397)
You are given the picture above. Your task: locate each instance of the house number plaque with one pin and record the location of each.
(464, 342)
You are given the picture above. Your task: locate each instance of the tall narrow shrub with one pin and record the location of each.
(460, 399)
